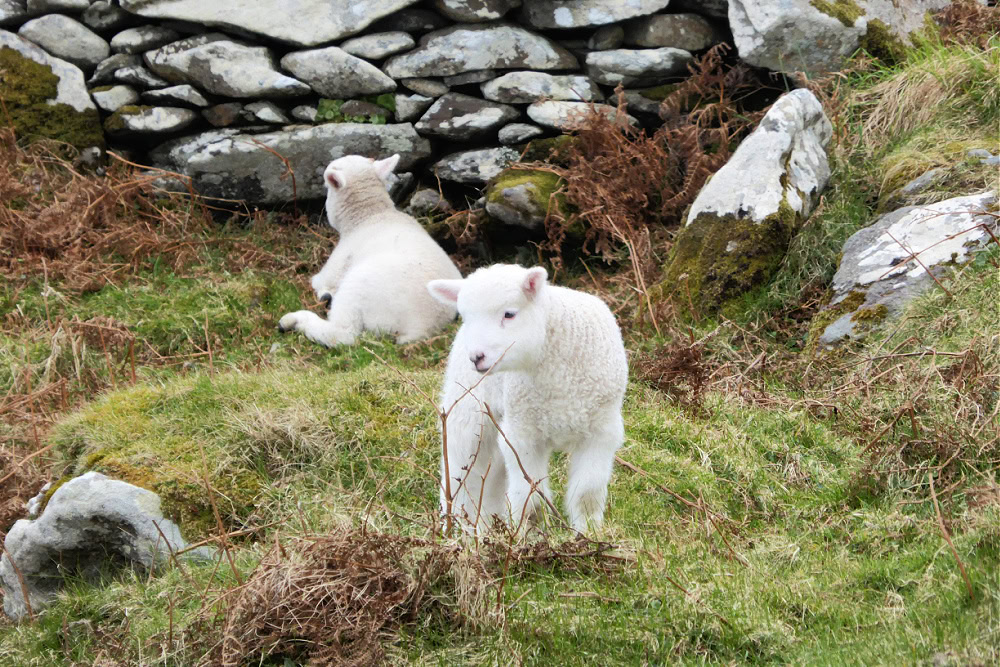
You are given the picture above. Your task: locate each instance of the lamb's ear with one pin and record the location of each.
(445, 291)
(384, 167)
(335, 178)
(535, 279)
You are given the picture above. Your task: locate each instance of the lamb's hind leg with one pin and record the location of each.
(343, 324)
(590, 468)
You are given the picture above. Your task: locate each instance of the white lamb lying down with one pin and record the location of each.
(375, 277)
(558, 382)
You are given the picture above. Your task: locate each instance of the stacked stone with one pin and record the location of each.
(454, 85)
(214, 89)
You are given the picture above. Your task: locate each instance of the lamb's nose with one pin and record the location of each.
(476, 358)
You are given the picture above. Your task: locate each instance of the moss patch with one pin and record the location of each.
(546, 150)
(251, 435)
(881, 43)
(845, 11)
(115, 123)
(828, 316)
(717, 259)
(26, 86)
(540, 183)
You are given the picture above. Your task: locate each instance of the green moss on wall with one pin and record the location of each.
(114, 122)
(547, 150)
(542, 186)
(845, 11)
(881, 43)
(540, 183)
(718, 258)
(26, 87)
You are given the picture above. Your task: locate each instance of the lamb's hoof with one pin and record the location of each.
(326, 299)
(286, 324)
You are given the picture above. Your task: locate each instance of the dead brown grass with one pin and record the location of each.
(87, 230)
(968, 22)
(678, 370)
(624, 182)
(336, 599)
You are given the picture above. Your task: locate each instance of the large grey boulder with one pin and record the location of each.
(636, 67)
(690, 32)
(475, 167)
(60, 109)
(813, 37)
(225, 163)
(585, 13)
(468, 48)
(464, 118)
(334, 73)
(68, 39)
(219, 65)
(528, 87)
(298, 22)
(91, 523)
(475, 11)
(740, 224)
(887, 264)
(378, 46)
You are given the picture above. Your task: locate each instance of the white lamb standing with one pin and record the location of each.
(375, 277)
(558, 379)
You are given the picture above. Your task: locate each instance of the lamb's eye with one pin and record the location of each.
(509, 315)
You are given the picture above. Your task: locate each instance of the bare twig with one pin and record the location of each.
(947, 538)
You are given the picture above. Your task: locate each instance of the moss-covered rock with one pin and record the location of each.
(115, 123)
(30, 88)
(526, 197)
(719, 258)
(739, 227)
(881, 43)
(828, 316)
(845, 11)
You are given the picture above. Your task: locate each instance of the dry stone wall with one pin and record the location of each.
(454, 86)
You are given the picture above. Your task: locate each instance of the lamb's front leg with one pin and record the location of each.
(524, 495)
(325, 282)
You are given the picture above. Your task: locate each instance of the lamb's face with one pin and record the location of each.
(351, 172)
(503, 315)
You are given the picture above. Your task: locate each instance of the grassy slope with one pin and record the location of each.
(838, 570)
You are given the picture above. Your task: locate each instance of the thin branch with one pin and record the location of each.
(947, 538)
